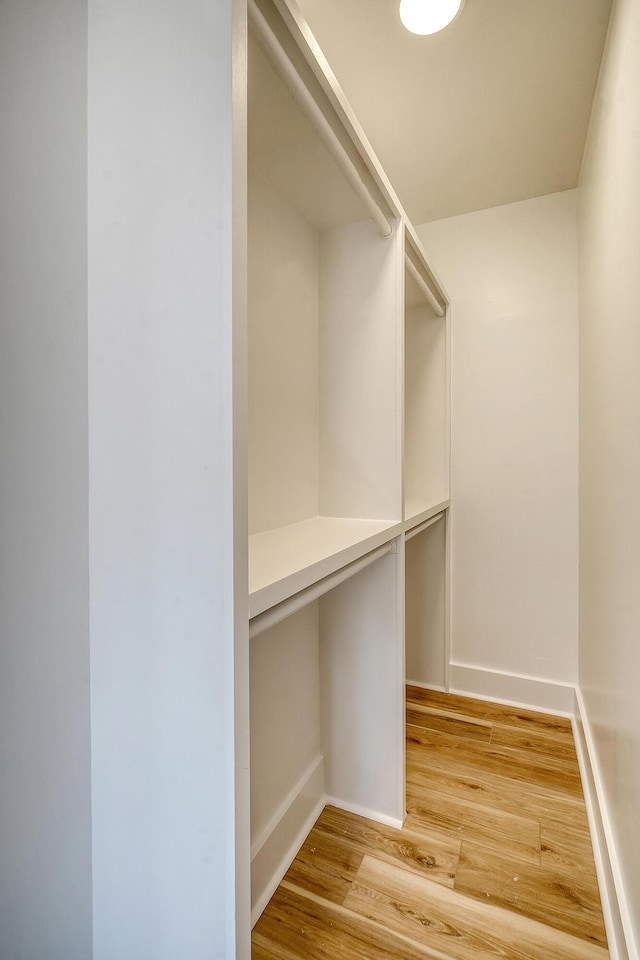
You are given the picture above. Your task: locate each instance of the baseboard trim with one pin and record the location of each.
(425, 686)
(615, 908)
(264, 889)
(273, 851)
(549, 696)
(359, 811)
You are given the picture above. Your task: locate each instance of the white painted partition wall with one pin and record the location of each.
(347, 450)
(166, 544)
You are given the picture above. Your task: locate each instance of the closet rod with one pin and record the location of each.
(417, 276)
(423, 526)
(324, 129)
(280, 612)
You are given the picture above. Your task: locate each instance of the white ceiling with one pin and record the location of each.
(492, 110)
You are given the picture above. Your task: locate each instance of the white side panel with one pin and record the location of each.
(362, 664)
(359, 370)
(45, 790)
(425, 424)
(425, 607)
(283, 360)
(512, 275)
(162, 573)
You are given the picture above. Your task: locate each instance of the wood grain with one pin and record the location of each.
(545, 773)
(424, 851)
(471, 820)
(455, 925)
(534, 743)
(308, 927)
(496, 790)
(447, 723)
(568, 902)
(494, 859)
(466, 707)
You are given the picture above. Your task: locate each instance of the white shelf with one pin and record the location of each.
(417, 511)
(288, 559)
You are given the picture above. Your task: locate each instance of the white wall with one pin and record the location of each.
(609, 236)
(162, 573)
(45, 825)
(512, 275)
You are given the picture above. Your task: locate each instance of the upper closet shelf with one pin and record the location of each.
(417, 511)
(286, 560)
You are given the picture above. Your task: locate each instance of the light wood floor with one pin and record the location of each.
(494, 860)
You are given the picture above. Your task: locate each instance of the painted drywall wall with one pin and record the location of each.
(162, 573)
(609, 244)
(511, 273)
(45, 825)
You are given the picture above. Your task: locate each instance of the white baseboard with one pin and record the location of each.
(365, 812)
(276, 846)
(425, 686)
(273, 851)
(549, 696)
(615, 907)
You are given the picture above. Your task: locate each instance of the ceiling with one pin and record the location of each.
(491, 110)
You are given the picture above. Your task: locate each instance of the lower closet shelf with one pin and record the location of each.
(288, 559)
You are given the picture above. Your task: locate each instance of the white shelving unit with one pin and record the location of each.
(347, 449)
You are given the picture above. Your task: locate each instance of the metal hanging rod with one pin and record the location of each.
(423, 526)
(278, 613)
(422, 284)
(322, 126)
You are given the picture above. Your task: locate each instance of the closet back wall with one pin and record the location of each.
(512, 276)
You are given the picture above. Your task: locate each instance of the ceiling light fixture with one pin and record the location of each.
(429, 16)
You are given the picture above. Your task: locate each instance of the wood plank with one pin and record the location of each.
(455, 727)
(261, 949)
(534, 742)
(427, 852)
(567, 902)
(325, 866)
(546, 773)
(308, 928)
(517, 835)
(497, 791)
(487, 710)
(459, 927)
(494, 860)
(566, 845)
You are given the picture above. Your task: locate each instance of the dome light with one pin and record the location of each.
(429, 16)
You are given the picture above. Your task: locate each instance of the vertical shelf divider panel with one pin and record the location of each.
(426, 621)
(362, 710)
(426, 414)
